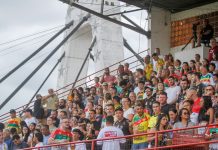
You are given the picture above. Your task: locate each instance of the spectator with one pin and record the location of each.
(99, 113)
(156, 111)
(140, 125)
(38, 139)
(148, 67)
(158, 62)
(51, 124)
(110, 131)
(172, 92)
(173, 117)
(184, 122)
(185, 68)
(46, 134)
(192, 65)
(197, 83)
(17, 143)
(132, 97)
(50, 101)
(178, 68)
(213, 50)
(215, 61)
(77, 134)
(140, 74)
(212, 68)
(206, 110)
(184, 85)
(61, 134)
(149, 100)
(94, 95)
(165, 107)
(3, 145)
(116, 102)
(25, 134)
(29, 117)
(14, 121)
(107, 77)
(140, 91)
(97, 83)
(54, 115)
(209, 90)
(128, 110)
(7, 137)
(206, 78)
(38, 110)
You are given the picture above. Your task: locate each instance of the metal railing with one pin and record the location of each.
(201, 144)
(20, 109)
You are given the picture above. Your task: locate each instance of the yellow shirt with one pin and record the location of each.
(141, 123)
(14, 123)
(152, 122)
(159, 64)
(148, 70)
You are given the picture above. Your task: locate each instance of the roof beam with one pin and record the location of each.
(146, 33)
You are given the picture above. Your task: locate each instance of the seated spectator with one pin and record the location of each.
(165, 107)
(51, 124)
(206, 78)
(25, 134)
(46, 134)
(128, 110)
(213, 50)
(77, 134)
(215, 61)
(173, 117)
(156, 111)
(17, 143)
(54, 116)
(149, 100)
(158, 62)
(184, 85)
(7, 137)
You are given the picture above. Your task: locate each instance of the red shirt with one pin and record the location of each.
(196, 106)
(109, 78)
(211, 52)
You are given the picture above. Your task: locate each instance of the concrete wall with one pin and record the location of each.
(159, 24)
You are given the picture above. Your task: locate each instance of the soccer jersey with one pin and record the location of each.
(148, 70)
(59, 134)
(207, 79)
(14, 123)
(141, 123)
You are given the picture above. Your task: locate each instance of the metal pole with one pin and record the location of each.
(102, 6)
(124, 12)
(84, 62)
(146, 33)
(131, 50)
(37, 51)
(59, 60)
(132, 22)
(44, 61)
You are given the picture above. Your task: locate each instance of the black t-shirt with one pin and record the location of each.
(123, 125)
(165, 108)
(200, 89)
(148, 104)
(205, 29)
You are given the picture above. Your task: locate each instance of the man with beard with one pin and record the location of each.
(181, 97)
(173, 91)
(149, 100)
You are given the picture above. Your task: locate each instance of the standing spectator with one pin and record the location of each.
(149, 100)
(77, 136)
(110, 131)
(17, 143)
(172, 92)
(140, 125)
(206, 110)
(132, 97)
(156, 111)
(38, 110)
(215, 61)
(50, 101)
(38, 139)
(173, 117)
(158, 62)
(94, 95)
(29, 117)
(165, 107)
(140, 91)
(181, 97)
(3, 145)
(184, 121)
(213, 50)
(14, 121)
(148, 67)
(140, 74)
(122, 123)
(61, 134)
(178, 68)
(97, 83)
(107, 77)
(46, 134)
(185, 68)
(197, 58)
(128, 110)
(192, 95)
(206, 78)
(197, 83)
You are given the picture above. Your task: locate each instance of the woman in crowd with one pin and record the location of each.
(160, 89)
(192, 66)
(25, 133)
(50, 123)
(162, 124)
(99, 113)
(185, 68)
(206, 112)
(128, 110)
(184, 121)
(70, 96)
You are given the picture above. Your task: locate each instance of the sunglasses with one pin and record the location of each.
(185, 113)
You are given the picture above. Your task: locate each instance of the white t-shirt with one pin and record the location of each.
(39, 145)
(127, 112)
(107, 132)
(80, 146)
(31, 120)
(3, 146)
(172, 94)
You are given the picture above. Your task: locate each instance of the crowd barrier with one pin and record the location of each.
(195, 141)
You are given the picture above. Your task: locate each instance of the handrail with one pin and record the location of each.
(6, 117)
(141, 134)
(73, 83)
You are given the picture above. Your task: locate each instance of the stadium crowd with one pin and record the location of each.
(165, 94)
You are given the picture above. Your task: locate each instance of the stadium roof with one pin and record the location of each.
(171, 5)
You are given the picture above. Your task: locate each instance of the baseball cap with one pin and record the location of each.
(104, 84)
(12, 111)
